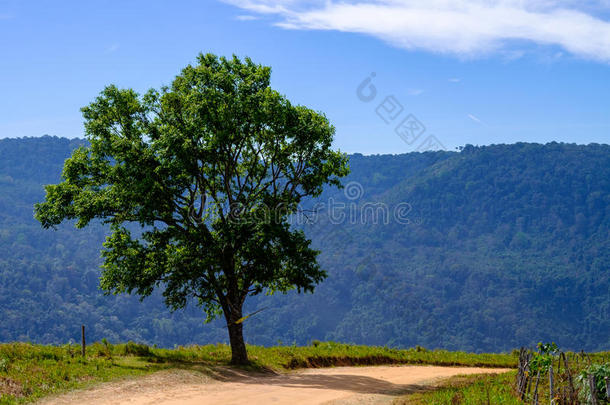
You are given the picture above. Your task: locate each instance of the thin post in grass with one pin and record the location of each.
(607, 388)
(570, 381)
(523, 376)
(82, 333)
(593, 389)
(551, 384)
(536, 389)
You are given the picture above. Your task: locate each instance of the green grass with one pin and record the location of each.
(29, 372)
(325, 354)
(495, 389)
(472, 389)
(578, 363)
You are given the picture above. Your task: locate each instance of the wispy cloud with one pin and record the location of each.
(246, 17)
(475, 119)
(454, 80)
(112, 48)
(461, 27)
(415, 92)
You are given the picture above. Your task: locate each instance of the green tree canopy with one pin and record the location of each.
(211, 169)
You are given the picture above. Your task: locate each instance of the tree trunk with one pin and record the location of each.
(239, 355)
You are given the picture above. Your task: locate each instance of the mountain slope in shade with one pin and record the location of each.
(483, 250)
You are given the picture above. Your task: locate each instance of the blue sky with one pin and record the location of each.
(469, 71)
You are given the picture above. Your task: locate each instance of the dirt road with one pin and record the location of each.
(340, 385)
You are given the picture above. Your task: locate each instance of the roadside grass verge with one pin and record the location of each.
(328, 354)
(29, 372)
(469, 389)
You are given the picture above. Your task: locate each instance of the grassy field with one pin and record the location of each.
(29, 372)
(470, 389)
(497, 389)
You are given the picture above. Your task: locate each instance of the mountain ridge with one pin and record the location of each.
(504, 245)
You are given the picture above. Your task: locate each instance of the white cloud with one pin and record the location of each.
(112, 48)
(415, 92)
(475, 119)
(454, 79)
(246, 17)
(461, 27)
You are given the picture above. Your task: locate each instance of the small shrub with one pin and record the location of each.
(48, 356)
(315, 343)
(600, 372)
(3, 365)
(105, 350)
(543, 359)
(137, 349)
(69, 349)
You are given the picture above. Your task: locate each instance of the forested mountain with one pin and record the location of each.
(483, 250)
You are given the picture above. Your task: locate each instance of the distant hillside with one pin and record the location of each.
(483, 250)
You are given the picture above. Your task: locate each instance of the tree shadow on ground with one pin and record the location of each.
(343, 382)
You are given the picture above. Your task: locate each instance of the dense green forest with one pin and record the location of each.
(485, 249)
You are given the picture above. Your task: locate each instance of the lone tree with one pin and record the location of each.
(198, 182)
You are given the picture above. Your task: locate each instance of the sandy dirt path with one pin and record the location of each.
(340, 385)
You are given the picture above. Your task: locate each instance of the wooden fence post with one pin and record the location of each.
(82, 332)
(551, 384)
(593, 389)
(607, 388)
(570, 381)
(536, 389)
(523, 377)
